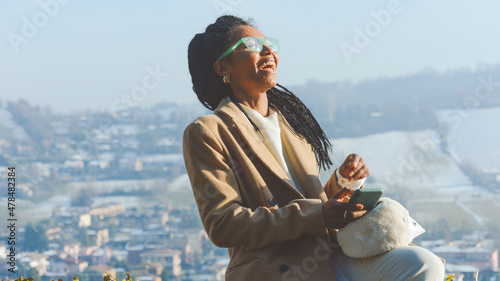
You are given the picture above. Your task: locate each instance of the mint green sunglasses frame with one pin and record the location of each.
(244, 41)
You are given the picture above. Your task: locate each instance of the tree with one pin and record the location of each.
(121, 264)
(83, 236)
(33, 120)
(82, 197)
(26, 271)
(33, 273)
(164, 274)
(4, 161)
(35, 238)
(111, 230)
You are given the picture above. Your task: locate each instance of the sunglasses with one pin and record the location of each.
(253, 44)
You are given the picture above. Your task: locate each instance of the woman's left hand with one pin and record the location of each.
(354, 168)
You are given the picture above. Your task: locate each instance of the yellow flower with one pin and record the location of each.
(449, 277)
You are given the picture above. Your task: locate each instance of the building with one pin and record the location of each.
(168, 258)
(101, 256)
(97, 272)
(35, 260)
(149, 236)
(461, 272)
(478, 257)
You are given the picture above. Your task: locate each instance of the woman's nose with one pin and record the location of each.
(266, 50)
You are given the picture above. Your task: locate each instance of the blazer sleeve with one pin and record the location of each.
(332, 187)
(227, 222)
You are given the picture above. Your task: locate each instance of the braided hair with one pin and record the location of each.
(203, 51)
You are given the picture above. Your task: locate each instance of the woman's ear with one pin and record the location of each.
(221, 68)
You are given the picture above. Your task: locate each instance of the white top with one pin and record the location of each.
(271, 137)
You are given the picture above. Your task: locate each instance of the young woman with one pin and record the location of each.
(253, 166)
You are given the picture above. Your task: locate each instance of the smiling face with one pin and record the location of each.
(251, 73)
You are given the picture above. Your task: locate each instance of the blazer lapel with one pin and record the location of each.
(253, 141)
(303, 162)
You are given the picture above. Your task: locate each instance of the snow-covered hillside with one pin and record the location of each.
(409, 160)
(474, 136)
(413, 168)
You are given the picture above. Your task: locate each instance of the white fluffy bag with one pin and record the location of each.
(386, 227)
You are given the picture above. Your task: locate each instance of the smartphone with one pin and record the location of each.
(368, 197)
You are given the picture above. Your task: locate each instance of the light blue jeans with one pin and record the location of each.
(405, 263)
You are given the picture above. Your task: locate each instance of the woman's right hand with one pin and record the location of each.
(338, 214)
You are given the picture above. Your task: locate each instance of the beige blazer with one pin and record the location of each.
(248, 204)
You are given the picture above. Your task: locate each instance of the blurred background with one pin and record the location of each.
(95, 97)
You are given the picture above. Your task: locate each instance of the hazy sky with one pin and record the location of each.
(77, 54)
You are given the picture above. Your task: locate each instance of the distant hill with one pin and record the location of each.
(404, 103)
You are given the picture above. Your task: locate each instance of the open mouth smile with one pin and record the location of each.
(269, 66)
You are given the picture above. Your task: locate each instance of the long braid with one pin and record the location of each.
(203, 51)
(302, 122)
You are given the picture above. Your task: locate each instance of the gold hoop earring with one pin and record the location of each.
(226, 79)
